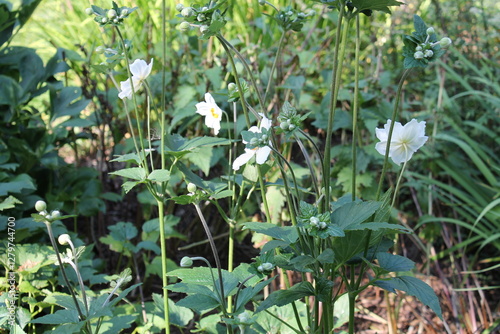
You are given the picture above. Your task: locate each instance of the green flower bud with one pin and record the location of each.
(314, 221)
(322, 225)
(64, 239)
(186, 262)
(40, 206)
(260, 268)
(55, 214)
(267, 266)
(418, 55)
(204, 9)
(430, 31)
(232, 86)
(284, 125)
(265, 138)
(204, 28)
(124, 12)
(445, 42)
(187, 12)
(262, 2)
(291, 127)
(184, 26)
(104, 20)
(428, 53)
(191, 187)
(201, 18)
(111, 14)
(418, 48)
(254, 141)
(179, 7)
(89, 11)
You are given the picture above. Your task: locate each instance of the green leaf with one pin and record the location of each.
(327, 256)
(414, 287)
(17, 185)
(159, 175)
(67, 102)
(59, 317)
(394, 263)
(379, 226)
(381, 5)
(248, 293)
(9, 203)
(199, 303)
(301, 262)
(131, 157)
(284, 297)
(353, 213)
(178, 315)
(134, 173)
(285, 233)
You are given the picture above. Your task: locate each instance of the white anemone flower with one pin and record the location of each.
(140, 71)
(405, 140)
(261, 153)
(211, 111)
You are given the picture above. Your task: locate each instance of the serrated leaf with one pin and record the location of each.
(414, 287)
(284, 297)
(327, 256)
(353, 213)
(159, 175)
(285, 233)
(134, 173)
(199, 303)
(394, 263)
(59, 317)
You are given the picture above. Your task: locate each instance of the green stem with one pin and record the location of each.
(352, 304)
(273, 67)
(334, 89)
(163, 247)
(398, 184)
(355, 110)
(391, 128)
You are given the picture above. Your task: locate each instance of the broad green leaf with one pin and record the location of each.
(301, 262)
(353, 213)
(199, 303)
(394, 263)
(9, 203)
(134, 173)
(347, 247)
(341, 310)
(197, 275)
(285, 233)
(178, 316)
(381, 5)
(327, 256)
(17, 185)
(246, 294)
(67, 102)
(117, 323)
(59, 317)
(324, 290)
(131, 157)
(159, 175)
(379, 226)
(192, 289)
(284, 297)
(414, 287)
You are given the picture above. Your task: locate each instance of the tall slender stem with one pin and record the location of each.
(164, 277)
(389, 137)
(355, 108)
(334, 89)
(273, 67)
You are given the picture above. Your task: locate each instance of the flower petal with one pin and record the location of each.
(243, 159)
(262, 154)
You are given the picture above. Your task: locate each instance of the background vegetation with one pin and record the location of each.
(62, 123)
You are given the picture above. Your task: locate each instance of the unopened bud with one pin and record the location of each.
(418, 55)
(232, 86)
(111, 14)
(445, 41)
(186, 262)
(267, 266)
(124, 12)
(260, 268)
(64, 239)
(187, 12)
(40, 206)
(201, 18)
(191, 187)
(89, 11)
(204, 28)
(430, 31)
(184, 26)
(314, 221)
(418, 48)
(428, 53)
(262, 2)
(55, 214)
(179, 7)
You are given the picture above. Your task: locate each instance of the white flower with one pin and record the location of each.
(140, 71)
(405, 140)
(211, 111)
(261, 153)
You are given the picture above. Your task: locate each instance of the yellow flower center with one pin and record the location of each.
(214, 114)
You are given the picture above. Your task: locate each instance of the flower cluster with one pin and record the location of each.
(425, 50)
(41, 207)
(207, 19)
(290, 19)
(405, 140)
(257, 144)
(113, 16)
(289, 119)
(140, 71)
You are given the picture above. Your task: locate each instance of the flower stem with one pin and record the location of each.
(355, 109)
(389, 137)
(164, 277)
(334, 90)
(273, 68)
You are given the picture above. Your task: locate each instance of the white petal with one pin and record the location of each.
(125, 90)
(243, 159)
(265, 123)
(262, 154)
(254, 129)
(380, 147)
(140, 69)
(209, 98)
(399, 154)
(203, 108)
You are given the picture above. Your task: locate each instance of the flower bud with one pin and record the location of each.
(191, 187)
(260, 268)
(314, 221)
(55, 214)
(124, 12)
(430, 31)
(322, 225)
(291, 127)
(284, 125)
(265, 137)
(184, 26)
(444, 42)
(64, 239)
(89, 11)
(428, 53)
(267, 266)
(186, 262)
(40, 206)
(232, 86)
(111, 14)
(254, 141)
(418, 55)
(179, 7)
(204, 28)
(418, 48)
(187, 12)
(312, 12)
(104, 20)
(204, 9)
(262, 2)
(201, 18)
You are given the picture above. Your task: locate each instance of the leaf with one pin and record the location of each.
(199, 303)
(301, 262)
(284, 297)
(159, 175)
(353, 213)
(379, 226)
(9, 203)
(381, 5)
(66, 102)
(134, 173)
(59, 317)
(394, 263)
(327, 256)
(178, 315)
(285, 233)
(414, 287)
(17, 185)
